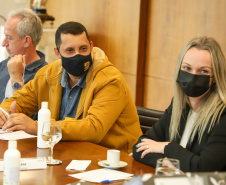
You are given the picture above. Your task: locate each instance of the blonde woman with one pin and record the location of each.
(193, 128)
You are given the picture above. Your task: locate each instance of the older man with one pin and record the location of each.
(23, 31)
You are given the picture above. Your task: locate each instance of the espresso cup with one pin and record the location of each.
(113, 157)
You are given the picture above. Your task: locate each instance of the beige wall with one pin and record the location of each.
(172, 23)
(112, 25)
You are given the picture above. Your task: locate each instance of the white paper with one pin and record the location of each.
(79, 165)
(29, 163)
(2, 131)
(172, 181)
(100, 175)
(14, 135)
(196, 180)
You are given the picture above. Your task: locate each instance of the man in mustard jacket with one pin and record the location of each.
(85, 92)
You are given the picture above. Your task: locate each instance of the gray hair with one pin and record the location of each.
(30, 24)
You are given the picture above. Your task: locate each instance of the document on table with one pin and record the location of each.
(179, 180)
(101, 175)
(172, 181)
(14, 135)
(29, 163)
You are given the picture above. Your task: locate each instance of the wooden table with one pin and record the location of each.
(67, 151)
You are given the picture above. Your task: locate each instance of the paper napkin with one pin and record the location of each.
(79, 165)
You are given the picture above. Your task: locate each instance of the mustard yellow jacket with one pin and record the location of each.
(106, 113)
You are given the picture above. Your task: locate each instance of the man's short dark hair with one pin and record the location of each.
(71, 27)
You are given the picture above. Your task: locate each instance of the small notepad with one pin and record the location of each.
(78, 165)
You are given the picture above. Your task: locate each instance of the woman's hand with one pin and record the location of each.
(150, 146)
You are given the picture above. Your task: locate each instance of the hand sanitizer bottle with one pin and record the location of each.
(44, 116)
(11, 174)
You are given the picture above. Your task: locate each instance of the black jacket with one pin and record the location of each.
(209, 155)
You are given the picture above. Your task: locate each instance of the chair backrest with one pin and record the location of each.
(148, 117)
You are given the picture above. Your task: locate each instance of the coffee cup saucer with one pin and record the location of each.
(104, 164)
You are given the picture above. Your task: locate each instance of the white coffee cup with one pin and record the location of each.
(113, 157)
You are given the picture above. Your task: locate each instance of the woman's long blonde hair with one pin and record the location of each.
(215, 100)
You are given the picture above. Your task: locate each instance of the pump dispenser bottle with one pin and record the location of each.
(11, 174)
(44, 116)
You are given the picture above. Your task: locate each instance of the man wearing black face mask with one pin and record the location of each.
(84, 90)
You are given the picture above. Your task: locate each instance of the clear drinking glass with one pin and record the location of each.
(167, 166)
(52, 134)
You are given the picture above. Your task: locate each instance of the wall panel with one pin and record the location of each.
(171, 24)
(154, 86)
(113, 25)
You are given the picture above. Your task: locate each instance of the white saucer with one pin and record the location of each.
(121, 164)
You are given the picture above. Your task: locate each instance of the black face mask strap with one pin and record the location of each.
(58, 50)
(213, 83)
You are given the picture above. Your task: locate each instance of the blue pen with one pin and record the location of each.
(107, 181)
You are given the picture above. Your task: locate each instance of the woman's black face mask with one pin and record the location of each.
(193, 85)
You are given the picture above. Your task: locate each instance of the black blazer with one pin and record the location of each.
(208, 155)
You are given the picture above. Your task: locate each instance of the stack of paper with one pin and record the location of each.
(14, 135)
(102, 175)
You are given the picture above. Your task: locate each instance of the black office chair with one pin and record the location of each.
(148, 117)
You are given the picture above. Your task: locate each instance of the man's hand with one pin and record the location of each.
(3, 116)
(16, 66)
(19, 121)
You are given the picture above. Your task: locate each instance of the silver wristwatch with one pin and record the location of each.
(17, 85)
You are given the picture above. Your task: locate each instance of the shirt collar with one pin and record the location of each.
(40, 62)
(65, 79)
